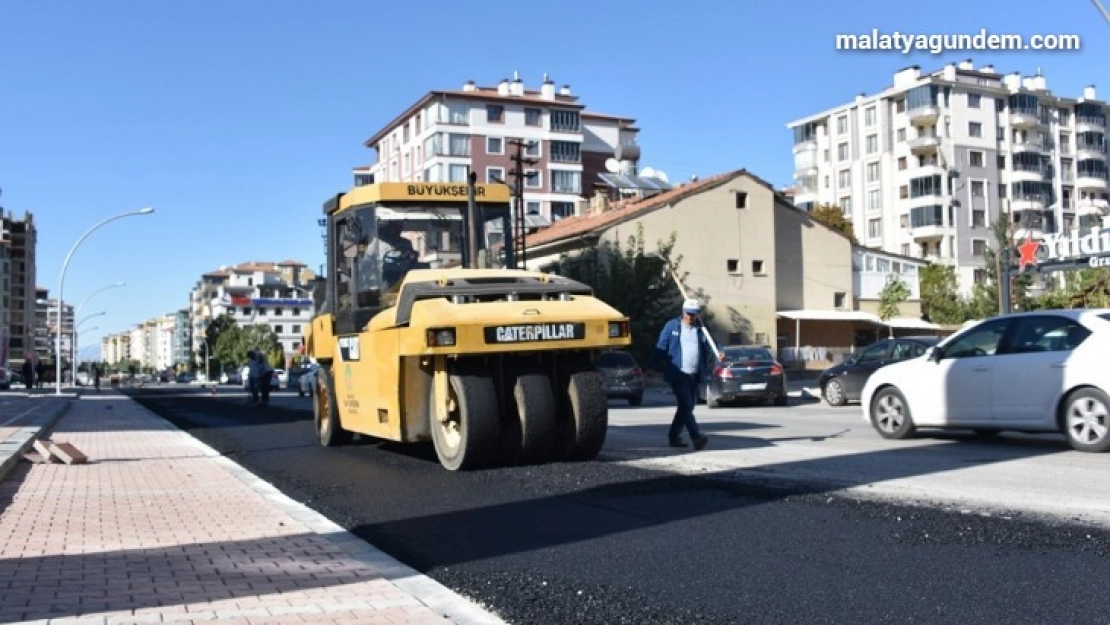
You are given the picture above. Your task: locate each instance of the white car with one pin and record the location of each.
(1042, 371)
(307, 381)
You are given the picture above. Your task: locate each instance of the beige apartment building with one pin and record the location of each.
(18, 320)
(772, 275)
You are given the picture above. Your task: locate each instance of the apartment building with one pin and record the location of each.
(18, 239)
(115, 347)
(65, 326)
(275, 294)
(926, 166)
(444, 134)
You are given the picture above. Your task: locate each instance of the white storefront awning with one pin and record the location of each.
(910, 323)
(829, 315)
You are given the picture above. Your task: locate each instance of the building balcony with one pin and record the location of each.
(806, 146)
(1027, 175)
(1085, 123)
(924, 145)
(1024, 118)
(1085, 152)
(1089, 181)
(1031, 203)
(1031, 146)
(923, 115)
(930, 232)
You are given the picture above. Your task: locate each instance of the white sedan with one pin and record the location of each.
(1042, 371)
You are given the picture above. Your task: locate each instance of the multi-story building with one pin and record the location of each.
(43, 343)
(182, 340)
(926, 166)
(18, 239)
(445, 134)
(115, 348)
(65, 327)
(275, 294)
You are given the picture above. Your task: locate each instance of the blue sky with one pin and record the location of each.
(235, 120)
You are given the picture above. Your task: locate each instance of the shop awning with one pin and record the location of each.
(911, 323)
(829, 315)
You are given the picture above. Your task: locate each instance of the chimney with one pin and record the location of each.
(517, 88)
(1089, 92)
(470, 86)
(599, 203)
(966, 64)
(503, 87)
(547, 90)
(565, 91)
(987, 69)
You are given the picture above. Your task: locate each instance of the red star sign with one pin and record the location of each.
(1028, 252)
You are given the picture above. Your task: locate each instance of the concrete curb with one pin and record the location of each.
(13, 447)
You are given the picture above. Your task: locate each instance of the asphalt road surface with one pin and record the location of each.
(646, 534)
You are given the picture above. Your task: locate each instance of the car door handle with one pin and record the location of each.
(981, 368)
(1059, 365)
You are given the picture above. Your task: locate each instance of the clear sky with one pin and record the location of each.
(235, 120)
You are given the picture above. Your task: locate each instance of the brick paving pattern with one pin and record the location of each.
(156, 529)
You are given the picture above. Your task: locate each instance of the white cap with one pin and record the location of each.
(691, 305)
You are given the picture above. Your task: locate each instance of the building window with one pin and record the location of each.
(495, 175)
(873, 173)
(842, 125)
(875, 228)
(975, 158)
(872, 144)
(838, 299)
(869, 116)
(977, 188)
(560, 210)
(842, 152)
(733, 265)
(532, 149)
(495, 145)
(458, 145)
(980, 276)
(742, 199)
(565, 121)
(846, 205)
(826, 154)
(279, 329)
(1001, 190)
(826, 181)
(566, 181)
(978, 247)
(532, 117)
(905, 247)
(844, 179)
(296, 329)
(900, 106)
(1001, 161)
(975, 129)
(978, 218)
(874, 200)
(532, 179)
(902, 163)
(973, 100)
(901, 135)
(457, 114)
(566, 152)
(456, 173)
(495, 113)
(757, 267)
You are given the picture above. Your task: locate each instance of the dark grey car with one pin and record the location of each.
(748, 372)
(624, 379)
(844, 382)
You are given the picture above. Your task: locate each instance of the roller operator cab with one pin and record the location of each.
(418, 341)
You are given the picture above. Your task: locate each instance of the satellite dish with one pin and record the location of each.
(612, 165)
(647, 172)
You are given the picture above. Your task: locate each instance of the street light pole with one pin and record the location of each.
(77, 326)
(61, 291)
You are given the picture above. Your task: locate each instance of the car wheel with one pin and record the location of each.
(1087, 420)
(890, 414)
(833, 392)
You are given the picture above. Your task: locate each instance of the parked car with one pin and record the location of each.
(306, 382)
(748, 372)
(231, 376)
(1042, 371)
(186, 377)
(624, 379)
(844, 382)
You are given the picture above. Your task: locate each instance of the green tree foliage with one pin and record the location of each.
(986, 299)
(634, 281)
(894, 293)
(235, 342)
(940, 295)
(832, 216)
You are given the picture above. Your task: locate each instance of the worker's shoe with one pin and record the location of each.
(700, 443)
(676, 441)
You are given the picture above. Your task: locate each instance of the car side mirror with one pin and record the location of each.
(850, 360)
(935, 354)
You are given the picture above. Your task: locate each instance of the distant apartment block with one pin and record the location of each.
(18, 330)
(445, 133)
(925, 167)
(278, 295)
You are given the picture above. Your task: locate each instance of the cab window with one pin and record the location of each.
(875, 353)
(982, 340)
(1045, 333)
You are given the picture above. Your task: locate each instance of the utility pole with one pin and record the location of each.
(471, 222)
(519, 173)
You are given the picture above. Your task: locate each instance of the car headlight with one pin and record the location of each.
(441, 337)
(618, 329)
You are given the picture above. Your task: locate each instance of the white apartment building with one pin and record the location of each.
(275, 294)
(115, 348)
(444, 134)
(926, 166)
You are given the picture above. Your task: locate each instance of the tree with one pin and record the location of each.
(234, 344)
(633, 281)
(940, 295)
(894, 293)
(986, 298)
(833, 217)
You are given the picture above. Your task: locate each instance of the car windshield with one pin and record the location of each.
(741, 354)
(615, 359)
